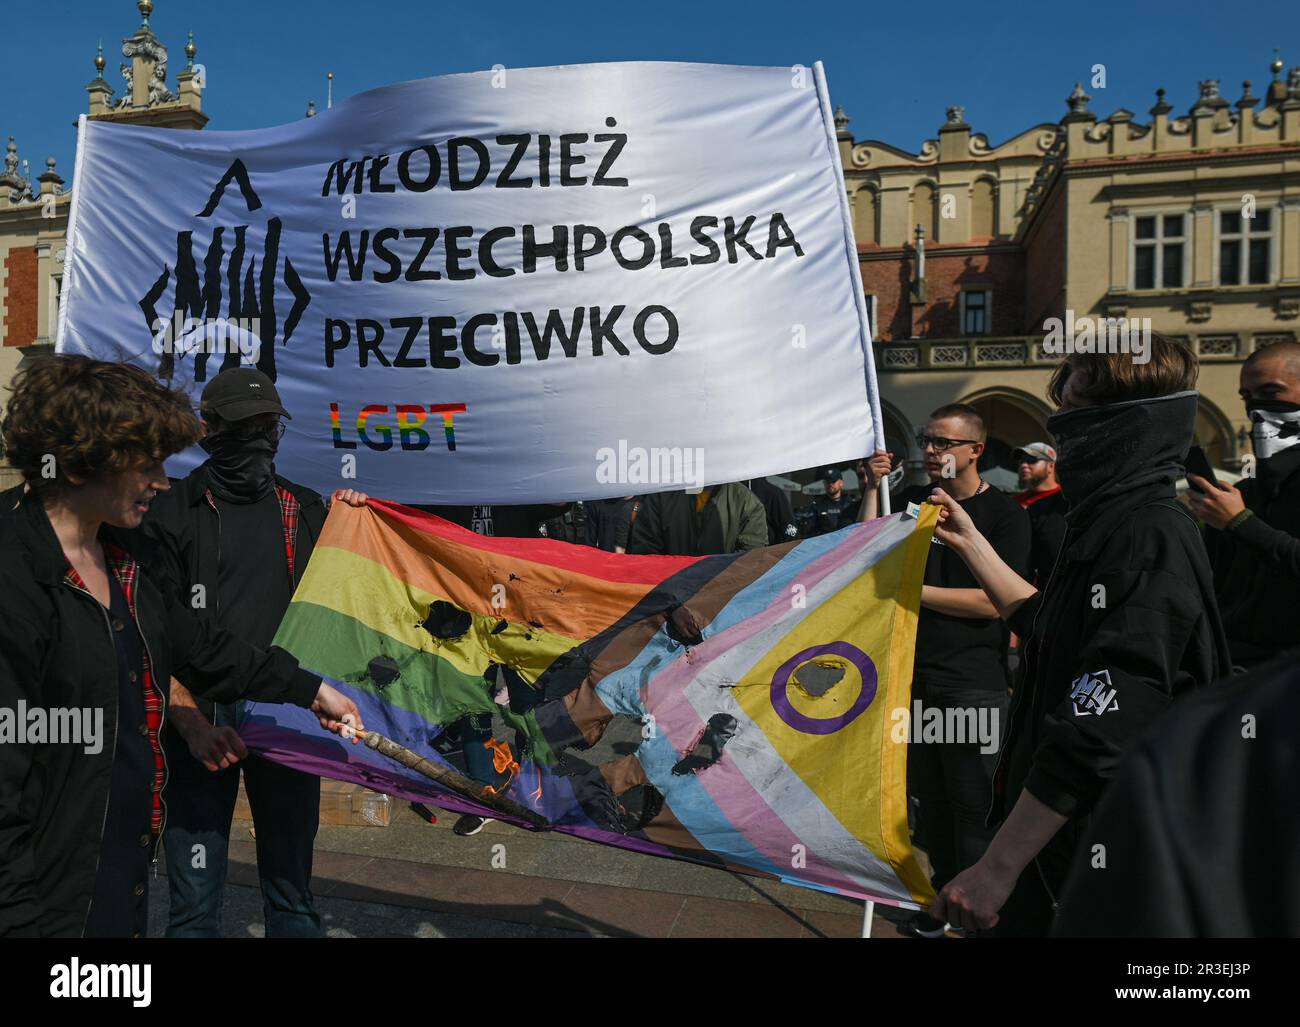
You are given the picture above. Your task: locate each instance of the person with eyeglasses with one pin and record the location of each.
(961, 652)
(233, 538)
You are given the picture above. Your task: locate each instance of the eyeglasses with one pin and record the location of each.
(274, 432)
(940, 444)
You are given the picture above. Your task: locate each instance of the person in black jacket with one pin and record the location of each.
(833, 509)
(234, 538)
(1253, 532)
(778, 510)
(84, 628)
(1042, 498)
(1197, 836)
(608, 522)
(1126, 625)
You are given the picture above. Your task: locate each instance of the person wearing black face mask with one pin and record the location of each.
(1126, 624)
(1253, 532)
(233, 538)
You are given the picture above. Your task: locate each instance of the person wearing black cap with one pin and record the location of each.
(234, 537)
(833, 509)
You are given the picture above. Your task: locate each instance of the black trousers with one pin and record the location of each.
(949, 777)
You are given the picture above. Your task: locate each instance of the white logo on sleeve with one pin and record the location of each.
(1093, 693)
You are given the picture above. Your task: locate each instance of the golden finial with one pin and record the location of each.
(99, 59)
(1276, 66)
(145, 7)
(191, 50)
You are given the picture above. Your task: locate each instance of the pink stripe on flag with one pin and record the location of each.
(730, 790)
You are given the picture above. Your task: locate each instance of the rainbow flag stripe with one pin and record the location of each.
(733, 710)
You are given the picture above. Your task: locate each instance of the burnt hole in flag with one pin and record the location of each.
(817, 678)
(683, 627)
(638, 806)
(383, 671)
(446, 621)
(708, 750)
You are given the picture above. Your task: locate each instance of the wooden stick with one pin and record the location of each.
(451, 780)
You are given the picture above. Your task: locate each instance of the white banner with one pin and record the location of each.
(512, 286)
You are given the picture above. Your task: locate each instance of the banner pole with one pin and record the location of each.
(868, 916)
(884, 497)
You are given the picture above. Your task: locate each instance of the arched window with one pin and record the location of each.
(866, 215)
(983, 210)
(924, 212)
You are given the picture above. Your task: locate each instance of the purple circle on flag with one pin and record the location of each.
(829, 725)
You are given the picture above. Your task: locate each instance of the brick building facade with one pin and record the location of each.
(966, 250)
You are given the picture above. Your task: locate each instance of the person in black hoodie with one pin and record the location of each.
(84, 628)
(1253, 532)
(1126, 624)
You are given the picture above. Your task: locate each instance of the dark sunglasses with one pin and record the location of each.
(275, 433)
(941, 444)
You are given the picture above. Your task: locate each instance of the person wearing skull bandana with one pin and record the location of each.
(1252, 533)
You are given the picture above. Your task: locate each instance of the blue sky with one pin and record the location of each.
(895, 67)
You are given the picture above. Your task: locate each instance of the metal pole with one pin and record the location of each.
(868, 915)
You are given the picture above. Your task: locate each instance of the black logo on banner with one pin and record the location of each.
(235, 285)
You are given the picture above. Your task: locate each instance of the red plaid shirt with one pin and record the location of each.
(288, 518)
(126, 570)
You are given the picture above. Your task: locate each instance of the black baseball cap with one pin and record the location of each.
(832, 474)
(242, 392)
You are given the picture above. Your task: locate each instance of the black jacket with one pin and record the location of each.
(1257, 564)
(1127, 621)
(1131, 600)
(608, 522)
(1200, 828)
(1047, 530)
(824, 514)
(56, 650)
(182, 535)
(780, 512)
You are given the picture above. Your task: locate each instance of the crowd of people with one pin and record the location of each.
(1081, 615)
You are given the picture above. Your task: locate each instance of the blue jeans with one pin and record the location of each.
(286, 811)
